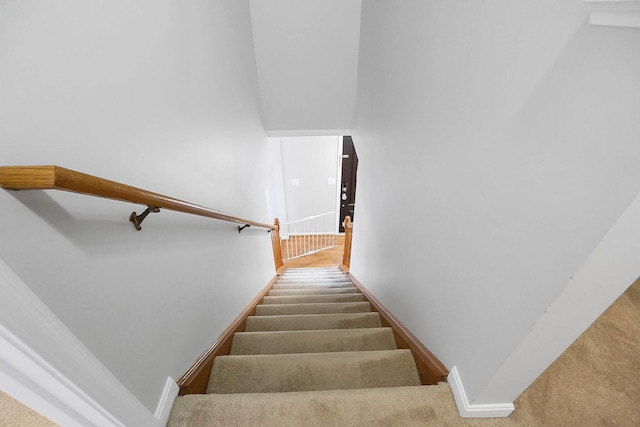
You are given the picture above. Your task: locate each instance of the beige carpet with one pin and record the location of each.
(268, 373)
(395, 406)
(312, 308)
(596, 382)
(292, 299)
(278, 332)
(298, 353)
(313, 321)
(15, 414)
(318, 341)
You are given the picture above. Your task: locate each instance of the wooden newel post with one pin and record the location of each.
(277, 250)
(348, 232)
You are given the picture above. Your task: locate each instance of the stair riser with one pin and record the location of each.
(391, 406)
(313, 371)
(285, 287)
(312, 279)
(312, 322)
(287, 342)
(308, 277)
(301, 299)
(316, 284)
(322, 308)
(316, 276)
(283, 292)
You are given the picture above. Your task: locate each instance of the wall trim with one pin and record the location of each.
(430, 368)
(46, 367)
(169, 394)
(469, 410)
(32, 381)
(196, 378)
(614, 13)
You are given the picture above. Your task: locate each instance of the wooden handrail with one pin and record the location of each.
(59, 178)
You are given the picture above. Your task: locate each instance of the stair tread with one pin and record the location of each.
(312, 278)
(307, 281)
(402, 406)
(282, 292)
(331, 273)
(313, 308)
(295, 299)
(287, 322)
(313, 341)
(312, 371)
(312, 285)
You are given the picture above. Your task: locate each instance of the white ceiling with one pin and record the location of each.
(307, 59)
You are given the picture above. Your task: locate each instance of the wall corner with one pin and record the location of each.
(470, 410)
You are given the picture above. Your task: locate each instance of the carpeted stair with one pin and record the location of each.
(313, 339)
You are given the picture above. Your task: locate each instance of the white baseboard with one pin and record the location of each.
(34, 382)
(169, 394)
(46, 367)
(469, 410)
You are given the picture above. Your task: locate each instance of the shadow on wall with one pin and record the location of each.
(108, 233)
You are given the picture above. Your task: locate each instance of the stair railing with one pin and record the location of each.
(59, 178)
(308, 235)
(346, 254)
(277, 247)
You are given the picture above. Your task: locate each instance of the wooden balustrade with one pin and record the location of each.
(348, 232)
(277, 247)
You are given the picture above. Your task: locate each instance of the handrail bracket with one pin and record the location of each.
(137, 219)
(243, 227)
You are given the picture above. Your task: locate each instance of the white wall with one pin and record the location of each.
(160, 95)
(275, 194)
(307, 58)
(498, 143)
(45, 366)
(313, 163)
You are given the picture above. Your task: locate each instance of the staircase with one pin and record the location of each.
(314, 353)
